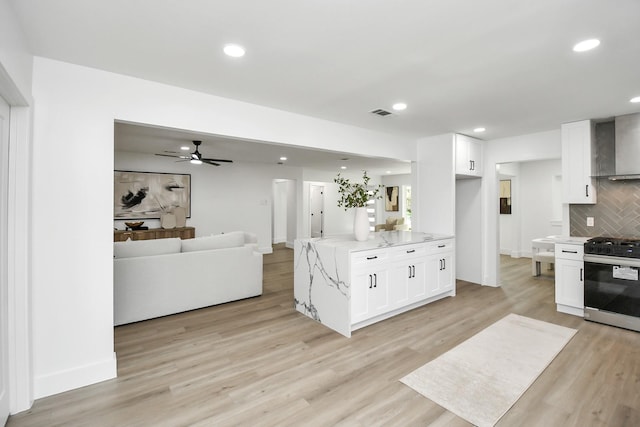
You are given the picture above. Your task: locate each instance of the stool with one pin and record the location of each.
(542, 251)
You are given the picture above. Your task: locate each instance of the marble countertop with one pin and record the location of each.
(571, 240)
(380, 239)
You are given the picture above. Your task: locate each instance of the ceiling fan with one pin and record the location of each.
(196, 157)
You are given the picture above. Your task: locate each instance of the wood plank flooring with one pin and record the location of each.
(258, 362)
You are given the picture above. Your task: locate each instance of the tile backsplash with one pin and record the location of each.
(617, 213)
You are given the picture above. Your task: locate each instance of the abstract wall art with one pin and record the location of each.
(391, 199)
(142, 195)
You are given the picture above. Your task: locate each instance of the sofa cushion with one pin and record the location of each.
(137, 248)
(218, 241)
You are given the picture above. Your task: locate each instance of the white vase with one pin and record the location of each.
(361, 224)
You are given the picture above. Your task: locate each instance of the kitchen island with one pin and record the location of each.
(346, 285)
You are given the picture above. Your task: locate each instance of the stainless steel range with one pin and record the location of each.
(611, 282)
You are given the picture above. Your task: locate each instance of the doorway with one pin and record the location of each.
(535, 206)
(316, 210)
(284, 225)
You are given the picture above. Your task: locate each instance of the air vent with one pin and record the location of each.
(381, 112)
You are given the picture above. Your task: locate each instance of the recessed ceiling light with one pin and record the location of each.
(636, 99)
(479, 129)
(585, 45)
(343, 167)
(283, 158)
(185, 148)
(234, 50)
(399, 106)
(388, 171)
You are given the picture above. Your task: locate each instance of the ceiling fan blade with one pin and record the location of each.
(210, 162)
(217, 160)
(173, 155)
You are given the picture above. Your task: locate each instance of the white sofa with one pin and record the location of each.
(153, 278)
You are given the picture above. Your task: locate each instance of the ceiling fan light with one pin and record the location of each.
(234, 50)
(195, 162)
(586, 45)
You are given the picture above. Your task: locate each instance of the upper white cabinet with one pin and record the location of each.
(468, 157)
(578, 162)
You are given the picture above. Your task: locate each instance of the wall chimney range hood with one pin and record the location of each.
(627, 147)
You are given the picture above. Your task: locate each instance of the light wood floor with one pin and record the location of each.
(259, 363)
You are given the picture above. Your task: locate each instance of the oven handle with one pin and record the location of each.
(612, 260)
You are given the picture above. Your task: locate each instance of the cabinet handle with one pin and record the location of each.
(581, 275)
(372, 257)
(411, 251)
(414, 270)
(441, 246)
(586, 190)
(370, 281)
(444, 264)
(440, 264)
(569, 252)
(375, 280)
(409, 272)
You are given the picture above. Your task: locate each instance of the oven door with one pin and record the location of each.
(612, 284)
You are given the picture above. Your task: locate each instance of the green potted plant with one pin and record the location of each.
(357, 195)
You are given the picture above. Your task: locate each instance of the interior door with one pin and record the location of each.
(316, 206)
(4, 278)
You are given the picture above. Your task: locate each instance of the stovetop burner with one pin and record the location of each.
(612, 246)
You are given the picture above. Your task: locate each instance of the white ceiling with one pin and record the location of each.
(506, 65)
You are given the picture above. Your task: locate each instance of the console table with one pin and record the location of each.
(154, 233)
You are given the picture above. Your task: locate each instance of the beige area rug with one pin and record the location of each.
(480, 379)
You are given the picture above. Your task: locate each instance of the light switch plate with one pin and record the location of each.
(589, 221)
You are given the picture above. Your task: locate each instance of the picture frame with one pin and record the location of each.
(391, 199)
(505, 197)
(148, 195)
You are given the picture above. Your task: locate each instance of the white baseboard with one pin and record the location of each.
(266, 249)
(61, 381)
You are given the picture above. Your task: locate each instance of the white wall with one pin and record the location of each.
(433, 185)
(72, 197)
(468, 217)
(537, 146)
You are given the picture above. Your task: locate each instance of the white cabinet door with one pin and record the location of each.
(369, 294)
(369, 284)
(570, 283)
(578, 163)
(408, 283)
(440, 269)
(445, 275)
(468, 156)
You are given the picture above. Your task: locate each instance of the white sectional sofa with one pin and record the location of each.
(153, 278)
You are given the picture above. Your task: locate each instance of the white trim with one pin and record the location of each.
(19, 261)
(75, 377)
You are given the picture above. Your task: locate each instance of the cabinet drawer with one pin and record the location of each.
(439, 246)
(366, 258)
(408, 251)
(565, 251)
